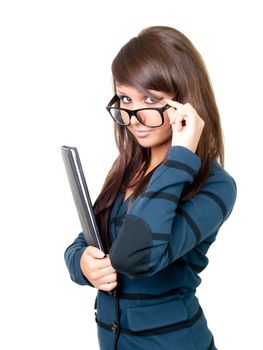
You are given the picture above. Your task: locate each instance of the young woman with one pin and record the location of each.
(163, 201)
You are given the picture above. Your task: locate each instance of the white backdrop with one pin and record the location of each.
(54, 84)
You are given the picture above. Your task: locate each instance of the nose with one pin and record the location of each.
(134, 120)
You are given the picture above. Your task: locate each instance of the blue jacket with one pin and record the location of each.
(159, 247)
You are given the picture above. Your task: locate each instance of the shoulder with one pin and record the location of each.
(219, 175)
(221, 186)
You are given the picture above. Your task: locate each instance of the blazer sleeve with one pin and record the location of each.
(72, 259)
(158, 228)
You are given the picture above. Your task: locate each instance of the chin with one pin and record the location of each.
(144, 144)
(150, 143)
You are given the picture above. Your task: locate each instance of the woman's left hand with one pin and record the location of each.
(186, 123)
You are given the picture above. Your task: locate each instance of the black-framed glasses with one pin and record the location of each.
(151, 117)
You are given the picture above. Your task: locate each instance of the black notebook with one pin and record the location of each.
(81, 196)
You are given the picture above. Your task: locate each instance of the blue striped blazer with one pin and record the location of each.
(159, 247)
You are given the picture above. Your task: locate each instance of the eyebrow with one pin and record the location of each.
(121, 92)
(148, 95)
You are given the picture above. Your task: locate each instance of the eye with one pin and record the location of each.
(125, 99)
(152, 100)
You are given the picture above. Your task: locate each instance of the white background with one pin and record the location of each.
(55, 81)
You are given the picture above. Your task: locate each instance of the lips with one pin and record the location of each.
(141, 133)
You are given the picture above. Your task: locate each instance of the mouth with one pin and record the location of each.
(141, 133)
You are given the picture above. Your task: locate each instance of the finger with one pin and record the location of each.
(179, 112)
(178, 121)
(179, 124)
(107, 286)
(107, 279)
(103, 273)
(187, 107)
(95, 252)
(101, 265)
(94, 264)
(174, 104)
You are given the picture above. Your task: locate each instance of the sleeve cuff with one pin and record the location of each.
(80, 278)
(184, 155)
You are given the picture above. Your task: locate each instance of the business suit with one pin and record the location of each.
(159, 247)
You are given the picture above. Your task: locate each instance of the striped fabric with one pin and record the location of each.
(159, 246)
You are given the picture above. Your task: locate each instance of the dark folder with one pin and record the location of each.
(81, 196)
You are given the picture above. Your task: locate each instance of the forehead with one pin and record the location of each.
(131, 90)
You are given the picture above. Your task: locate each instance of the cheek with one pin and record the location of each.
(166, 127)
(165, 132)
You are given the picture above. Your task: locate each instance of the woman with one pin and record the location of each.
(163, 201)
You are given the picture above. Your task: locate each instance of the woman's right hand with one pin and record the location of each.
(96, 267)
(187, 125)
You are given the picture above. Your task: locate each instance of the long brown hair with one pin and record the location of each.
(163, 59)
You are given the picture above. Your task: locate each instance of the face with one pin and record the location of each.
(131, 98)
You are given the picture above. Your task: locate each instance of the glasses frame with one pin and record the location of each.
(133, 112)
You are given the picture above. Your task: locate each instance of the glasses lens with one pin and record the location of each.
(120, 116)
(150, 117)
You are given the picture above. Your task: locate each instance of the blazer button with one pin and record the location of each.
(114, 327)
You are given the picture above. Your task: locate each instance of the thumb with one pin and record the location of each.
(95, 252)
